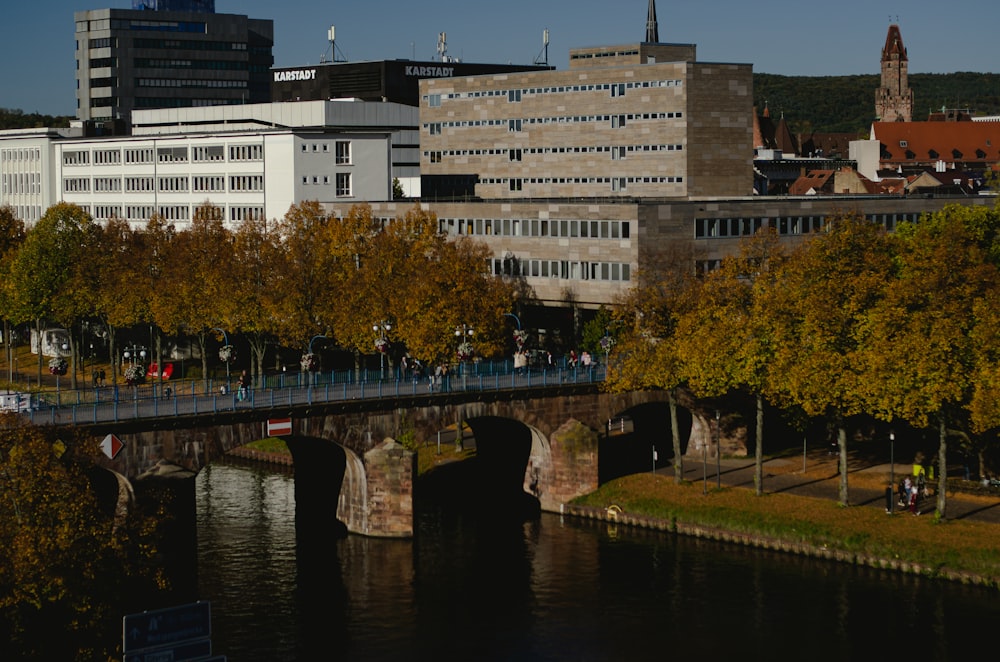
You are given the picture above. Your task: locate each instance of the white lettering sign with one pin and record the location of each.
(430, 72)
(298, 74)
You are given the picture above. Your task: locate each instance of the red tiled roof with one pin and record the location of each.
(951, 142)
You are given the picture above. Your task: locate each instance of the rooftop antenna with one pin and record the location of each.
(543, 57)
(331, 37)
(442, 47)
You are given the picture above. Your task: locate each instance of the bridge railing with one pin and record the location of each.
(119, 403)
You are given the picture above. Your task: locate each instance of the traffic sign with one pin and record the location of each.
(190, 650)
(167, 627)
(277, 427)
(111, 445)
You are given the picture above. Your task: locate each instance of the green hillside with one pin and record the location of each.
(846, 104)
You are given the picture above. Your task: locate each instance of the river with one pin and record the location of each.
(483, 586)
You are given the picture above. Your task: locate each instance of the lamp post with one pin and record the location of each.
(718, 450)
(516, 319)
(462, 332)
(892, 470)
(225, 340)
(382, 329)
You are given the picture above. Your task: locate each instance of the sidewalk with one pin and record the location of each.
(865, 483)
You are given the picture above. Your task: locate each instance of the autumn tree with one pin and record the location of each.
(256, 265)
(919, 347)
(722, 338)
(646, 318)
(196, 290)
(43, 266)
(11, 235)
(66, 556)
(303, 282)
(815, 307)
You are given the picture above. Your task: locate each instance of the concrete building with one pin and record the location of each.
(158, 56)
(640, 120)
(252, 161)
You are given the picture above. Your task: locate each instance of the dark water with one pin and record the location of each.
(470, 587)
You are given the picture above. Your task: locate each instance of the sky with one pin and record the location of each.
(775, 36)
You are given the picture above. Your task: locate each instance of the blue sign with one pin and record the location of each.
(167, 627)
(190, 650)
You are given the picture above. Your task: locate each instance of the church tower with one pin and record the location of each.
(894, 100)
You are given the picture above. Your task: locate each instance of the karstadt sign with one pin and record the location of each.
(295, 74)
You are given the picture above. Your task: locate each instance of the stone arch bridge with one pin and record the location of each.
(348, 452)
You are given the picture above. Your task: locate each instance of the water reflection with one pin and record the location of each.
(537, 587)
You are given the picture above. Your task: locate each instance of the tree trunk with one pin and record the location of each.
(842, 444)
(942, 469)
(675, 439)
(758, 475)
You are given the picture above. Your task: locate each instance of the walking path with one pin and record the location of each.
(821, 479)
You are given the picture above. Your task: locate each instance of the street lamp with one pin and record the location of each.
(718, 450)
(462, 333)
(892, 472)
(225, 340)
(516, 319)
(382, 343)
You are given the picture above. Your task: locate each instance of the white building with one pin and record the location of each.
(251, 161)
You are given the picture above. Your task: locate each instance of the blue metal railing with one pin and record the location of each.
(167, 399)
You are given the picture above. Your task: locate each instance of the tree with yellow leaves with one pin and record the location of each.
(813, 312)
(722, 338)
(646, 354)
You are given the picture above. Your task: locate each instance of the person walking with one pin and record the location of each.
(243, 387)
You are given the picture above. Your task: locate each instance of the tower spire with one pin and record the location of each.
(652, 33)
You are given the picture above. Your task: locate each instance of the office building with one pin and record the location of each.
(163, 57)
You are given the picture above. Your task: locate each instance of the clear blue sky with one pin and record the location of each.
(777, 37)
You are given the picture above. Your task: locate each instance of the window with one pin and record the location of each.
(617, 121)
(515, 154)
(172, 154)
(513, 125)
(618, 184)
(434, 100)
(344, 184)
(435, 157)
(618, 153)
(342, 155)
(208, 154)
(246, 152)
(434, 128)
(513, 95)
(516, 184)
(618, 89)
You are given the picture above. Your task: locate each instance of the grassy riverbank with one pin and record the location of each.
(955, 547)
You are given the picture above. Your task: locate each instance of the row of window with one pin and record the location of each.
(142, 213)
(514, 125)
(344, 183)
(177, 63)
(708, 228)
(535, 227)
(564, 269)
(33, 154)
(149, 155)
(515, 95)
(22, 183)
(192, 83)
(166, 184)
(342, 150)
(618, 152)
(188, 45)
(617, 183)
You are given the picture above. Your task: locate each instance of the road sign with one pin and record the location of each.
(277, 427)
(167, 627)
(112, 445)
(190, 650)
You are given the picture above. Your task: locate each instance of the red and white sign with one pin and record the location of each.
(111, 445)
(277, 427)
